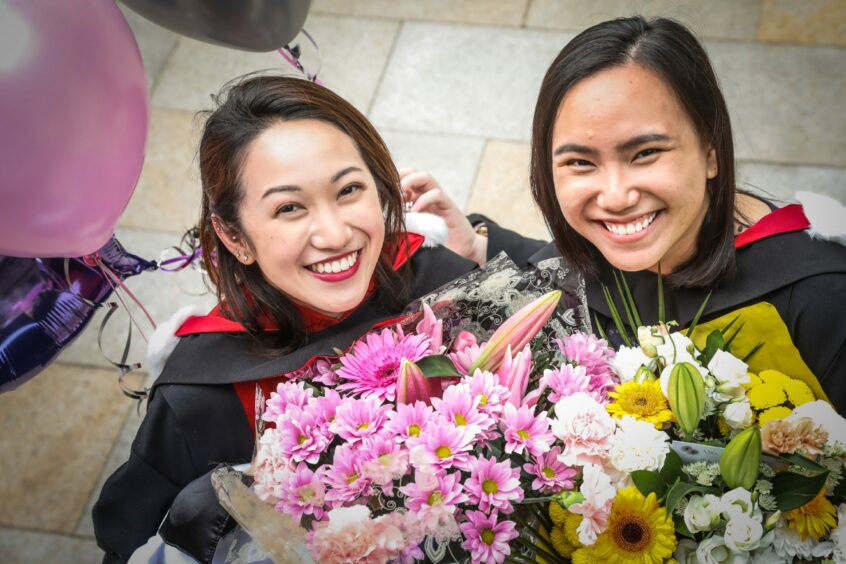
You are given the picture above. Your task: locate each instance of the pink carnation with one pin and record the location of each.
(584, 428)
(351, 535)
(270, 467)
(595, 509)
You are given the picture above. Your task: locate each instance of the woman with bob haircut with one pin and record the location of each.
(302, 234)
(633, 168)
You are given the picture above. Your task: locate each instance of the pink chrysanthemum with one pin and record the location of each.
(320, 371)
(566, 381)
(356, 419)
(493, 484)
(551, 475)
(324, 406)
(409, 420)
(344, 476)
(492, 395)
(486, 538)
(384, 460)
(459, 407)
(429, 490)
(302, 436)
(442, 446)
(372, 368)
(593, 354)
(525, 432)
(287, 394)
(304, 493)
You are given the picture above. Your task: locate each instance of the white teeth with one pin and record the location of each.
(335, 266)
(630, 228)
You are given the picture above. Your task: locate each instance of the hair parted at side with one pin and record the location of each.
(245, 108)
(668, 49)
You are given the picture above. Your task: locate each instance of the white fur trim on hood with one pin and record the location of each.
(164, 338)
(431, 226)
(827, 216)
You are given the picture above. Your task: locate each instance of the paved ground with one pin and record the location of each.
(451, 85)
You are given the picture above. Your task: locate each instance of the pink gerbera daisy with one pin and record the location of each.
(524, 431)
(356, 419)
(551, 475)
(485, 538)
(372, 368)
(409, 420)
(442, 446)
(303, 493)
(493, 484)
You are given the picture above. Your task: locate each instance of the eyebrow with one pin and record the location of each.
(621, 148)
(292, 188)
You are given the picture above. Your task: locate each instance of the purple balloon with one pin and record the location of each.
(74, 114)
(44, 306)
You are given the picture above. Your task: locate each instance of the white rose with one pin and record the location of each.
(824, 415)
(626, 361)
(702, 513)
(713, 550)
(686, 552)
(738, 503)
(728, 369)
(743, 534)
(637, 445)
(738, 415)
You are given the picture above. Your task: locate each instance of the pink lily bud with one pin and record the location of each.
(464, 340)
(514, 374)
(516, 332)
(412, 385)
(433, 327)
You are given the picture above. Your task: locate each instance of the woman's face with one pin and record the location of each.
(630, 170)
(312, 213)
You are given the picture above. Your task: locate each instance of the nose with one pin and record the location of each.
(330, 229)
(617, 193)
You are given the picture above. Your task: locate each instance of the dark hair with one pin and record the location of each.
(245, 109)
(668, 49)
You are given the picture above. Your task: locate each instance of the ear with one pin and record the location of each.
(233, 241)
(712, 169)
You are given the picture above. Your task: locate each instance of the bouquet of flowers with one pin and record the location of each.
(419, 446)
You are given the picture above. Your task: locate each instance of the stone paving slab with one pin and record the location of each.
(498, 12)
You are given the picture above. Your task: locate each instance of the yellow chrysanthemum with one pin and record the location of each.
(560, 543)
(753, 380)
(766, 395)
(723, 427)
(583, 556)
(774, 377)
(772, 414)
(816, 518)
(571, 525)
(639, 531)
(644, 401)
(557, 513)
(798, 392)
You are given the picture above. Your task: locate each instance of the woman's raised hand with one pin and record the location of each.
(426, 195)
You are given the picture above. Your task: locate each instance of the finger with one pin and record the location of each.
(403, 172)
(429, 201)
(419, 182)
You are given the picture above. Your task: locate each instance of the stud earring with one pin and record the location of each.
(244, 257)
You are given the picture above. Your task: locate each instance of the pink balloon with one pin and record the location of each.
(73, 122)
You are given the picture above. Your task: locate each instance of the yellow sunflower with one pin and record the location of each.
(643, 401)
(773, 413)
(766, 395)
(816, 518)
(798, 392)
(639, 531)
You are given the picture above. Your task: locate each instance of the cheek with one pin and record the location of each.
(571, 200)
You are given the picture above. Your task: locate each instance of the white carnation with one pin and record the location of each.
(626, 362)
(637, 445)
(824, 415)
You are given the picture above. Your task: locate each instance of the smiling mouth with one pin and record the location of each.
(335, 266)
(632, 227)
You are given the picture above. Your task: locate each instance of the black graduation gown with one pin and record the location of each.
(195, 420)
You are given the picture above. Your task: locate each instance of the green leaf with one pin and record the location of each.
(631, 300)
(618, 322)
(627, 305)
(713, 343)
(648, 481)
(795, 490)
(437, 366)
(699, 313)
(661, 311)
(672, 469)
(804, 463)
(681, 489)
(751, 353)
(681, 528)
(725, 329)
(599, 327)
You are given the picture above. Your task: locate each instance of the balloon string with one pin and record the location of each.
(291, 55)
(122, 366)
(113, 279)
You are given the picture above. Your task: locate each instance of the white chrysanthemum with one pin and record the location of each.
(626, 362)
(637, 445)
(838, 535)
(788, 544)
